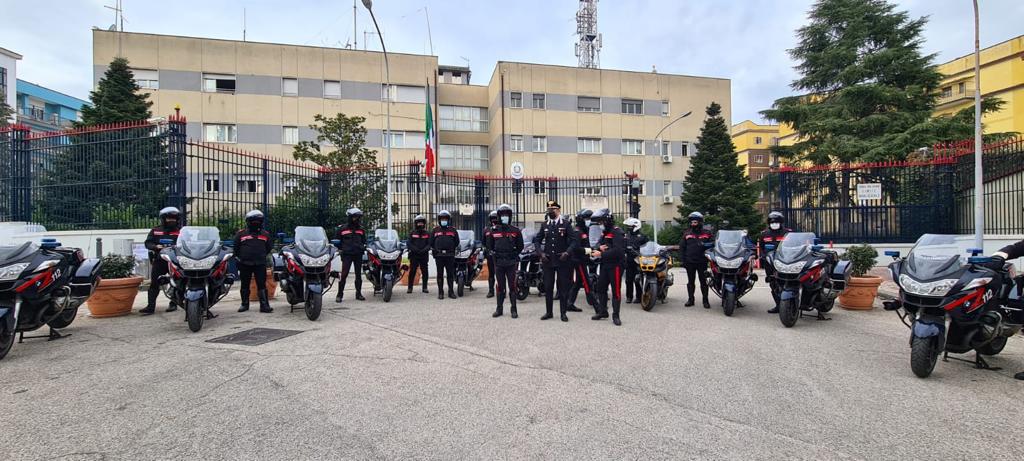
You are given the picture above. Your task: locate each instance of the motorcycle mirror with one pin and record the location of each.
(281, 235)
(979, 259)
(817, 240)
(48, 240)
(289, 240)
(335, 242)
(166, 241)
(893, 254)
(816, 247)
(975, 251)
(228, 243)
(49, 244)
(708, 245)
(769, 247)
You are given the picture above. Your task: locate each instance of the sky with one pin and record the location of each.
(742, 40)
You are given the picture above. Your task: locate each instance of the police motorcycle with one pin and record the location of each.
(383, 264)
(952, 302)
(42, 285)
(654, 262)
(731, 263)
(529, 274)
(302, 268)
(809, 276)
(198, 274)
(468, 262)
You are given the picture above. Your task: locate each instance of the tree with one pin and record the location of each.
(117, 98)
(5, 110)
(715, 185)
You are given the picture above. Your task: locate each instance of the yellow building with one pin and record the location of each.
(558, 121)
(753, 151)
(1002, 76)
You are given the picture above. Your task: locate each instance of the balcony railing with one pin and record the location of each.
(955, 96)
(39, 114)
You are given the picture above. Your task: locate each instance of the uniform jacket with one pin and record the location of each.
(444, 241)
(635, 240)
(252, 247)
(419, 243)
(556, 237)
(771, 237)
(157, 234)
(505, 242)
(353, 240)
(583, 234)
(615, 238)
(1013, 251)
(691, 247)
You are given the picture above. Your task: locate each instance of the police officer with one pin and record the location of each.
(419, 251)
(634, 240)
(504, 242)
(252, 245)
(492, 219)
(1012, 251)
(169, 228)
(352, 246)
(612, 250)
(774, 234)
(691, 252)
(444, 241)
(556, 242)
(581, 260)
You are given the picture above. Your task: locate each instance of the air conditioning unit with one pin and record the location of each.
(666, 158)
(668, 199)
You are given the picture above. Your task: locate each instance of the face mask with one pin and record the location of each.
(505, 219)
(694, 224)
(420, 225)
(552, 214)
(255, 225)
(444, 223)
(775, 226)
(587, 222)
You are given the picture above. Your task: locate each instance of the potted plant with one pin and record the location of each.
(271, 286)
(863, 288)
(118, 286)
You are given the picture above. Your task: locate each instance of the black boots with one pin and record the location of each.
(616, 321)
(148, 310)
(440, 293)
(359, 296)
(547, 315)
(774, 310)
(689, 302)
(513, 311)
(1019, 376)
(173, 307)
(498, 310)
(337, 299)
(245, 303)
(451, 294)
(264, 302)
(707, 305)
(410, 289)
(490, 292)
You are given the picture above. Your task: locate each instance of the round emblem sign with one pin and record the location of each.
(517, 170)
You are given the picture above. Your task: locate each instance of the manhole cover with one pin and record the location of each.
(255, 336)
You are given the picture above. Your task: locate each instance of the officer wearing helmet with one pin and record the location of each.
(774, 234)
(691, 252)
(492, 220)
(419, 252)
(556, 242)
(612, 251)
(445, 241)
(169, 228)
(504, 242)
(352, 246)
(634, 240)
(582, 261)
(252, 245)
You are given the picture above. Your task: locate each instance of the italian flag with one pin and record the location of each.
(429, 135)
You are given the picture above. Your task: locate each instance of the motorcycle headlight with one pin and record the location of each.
(310, 261)
(937, 288)
(791, 268)
(728, 263)
(8, 273)
(389, 254)
(190, 264)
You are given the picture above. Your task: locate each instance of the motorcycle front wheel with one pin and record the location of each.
(460, 283)
(64, 319)
(6, 339)
(194, 314)
(789, 313)
(314, 303)
(522, 289)
(650, 295)
(729, 303)
(923, 355)
(389, 286)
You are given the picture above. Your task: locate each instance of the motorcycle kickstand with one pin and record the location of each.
(52, 336)
(982, 364)
(210, 315)
(821, 316)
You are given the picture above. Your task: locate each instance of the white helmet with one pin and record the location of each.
(632, 222)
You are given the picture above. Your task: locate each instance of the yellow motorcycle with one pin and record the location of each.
(654, 261)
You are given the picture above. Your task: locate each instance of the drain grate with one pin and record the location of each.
(254, 336)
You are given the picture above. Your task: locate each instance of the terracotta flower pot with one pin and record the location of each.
(254, 294)
(113, 297)
(483, 273)
(861, 293)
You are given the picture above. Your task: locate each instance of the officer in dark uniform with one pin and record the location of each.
(774, 234)
(691, 252)
(634, 240)
(504, 242)
(612, 250)
(556, 242)
(445, 240)
(581, 260)
(419, 252)
(252, 245)
(1012, 251)
(492, 219)
(352, 247)
(169, 228)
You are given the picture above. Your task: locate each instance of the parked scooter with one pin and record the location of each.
(529, 274)
(468, 262)
(731, 260)
(383, 264)
(809, 276)
(654, 261)
(42, 285)
(302, 269)
(938, 281)
(198, 272)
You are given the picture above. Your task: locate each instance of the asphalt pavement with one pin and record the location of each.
(421, 378)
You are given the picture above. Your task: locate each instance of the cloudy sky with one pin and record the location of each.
(743, 40)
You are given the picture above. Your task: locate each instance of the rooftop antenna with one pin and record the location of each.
(588, 46)
(355, 31)
(118, 23)
(430, 37)
(243, 24)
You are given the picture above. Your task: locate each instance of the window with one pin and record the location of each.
(212, 182)
(3, 80)
(588, 104)
(402, 93)
(218, 83)
(664, 109)
(759, 159)
(216, 132)
(462, 157)
(947, 92)
(757, 140)
(640, 189)
(289, 87)
(332, 89)
(539, 101)
(588, 145)
(961, 87)
(632, 106)
(774, 141)
(397, 140)
(540, 144)
(146, 79)
(290, 135)
(516, 143)
(590, 188)
(539, 187)
(515, 100)
(666, 188)
(665, 148)
(247, 183)
(632, 147)
(684, 149)
(460, 118)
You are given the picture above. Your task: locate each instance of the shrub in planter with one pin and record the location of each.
(863, 288)
(117, 289)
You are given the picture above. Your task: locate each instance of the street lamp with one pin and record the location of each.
(654, 198)
(387, 84)
(979, 184)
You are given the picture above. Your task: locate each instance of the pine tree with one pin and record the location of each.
(117, 97)
(5, 110)
(716, 185)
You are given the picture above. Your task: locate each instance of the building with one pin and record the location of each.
(8, 74)
(753, 151)
(556, 120)
(1002, 76)
(43, 109)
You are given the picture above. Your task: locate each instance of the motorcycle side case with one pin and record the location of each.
(840, 275)
(83, 282)
(278, 266)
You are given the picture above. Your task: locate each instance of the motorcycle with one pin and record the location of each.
(529, 273)
(809, 277)
(730, 261)
(654, 262)
(42, 285)
(938, 282)
(383, 265)
(198, 272)
(468, 262)
(302, 269)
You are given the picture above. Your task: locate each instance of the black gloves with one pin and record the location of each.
(997, 263)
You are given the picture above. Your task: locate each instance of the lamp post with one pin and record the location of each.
(387, 131)
(654, 198)
(979, 193)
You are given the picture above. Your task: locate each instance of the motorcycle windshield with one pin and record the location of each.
(466, 239)
(731, 244)
(198, 242)
(938, 256)
(386, 239)
(14, 253)
(528, 235)
(795, 247)
(650, 249)
(311, 240)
